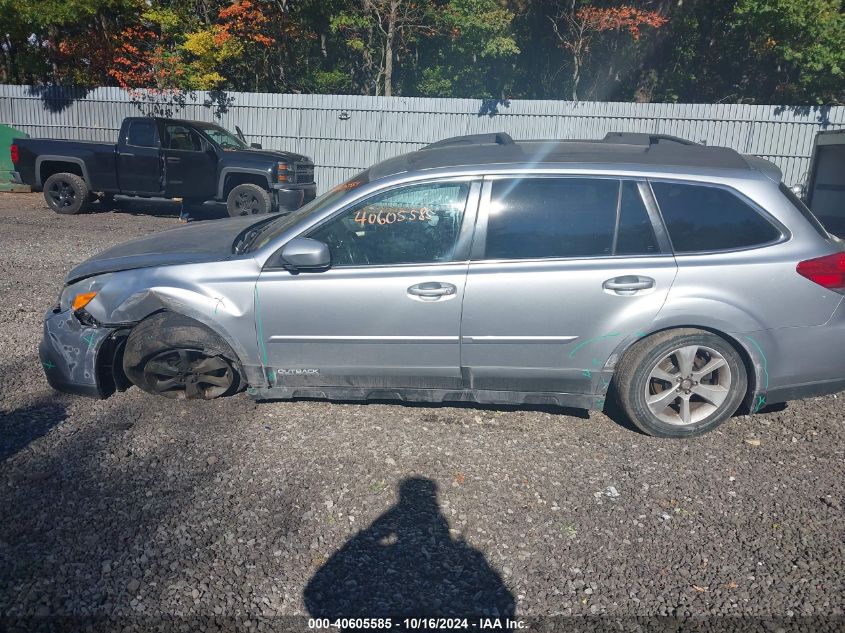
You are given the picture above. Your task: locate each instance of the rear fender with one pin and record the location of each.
(754, 344)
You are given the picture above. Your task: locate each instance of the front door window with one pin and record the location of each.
(411, 225)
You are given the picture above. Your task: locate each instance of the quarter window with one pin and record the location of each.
(417, 224)
(704, 218)
(142, 134)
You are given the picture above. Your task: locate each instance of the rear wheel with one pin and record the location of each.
(173, 356)
(681, 383)
(66, 193)
(248, 199)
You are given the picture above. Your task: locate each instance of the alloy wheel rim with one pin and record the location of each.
(188, 373)
(62, 193)
(247, 204)
(688, 384)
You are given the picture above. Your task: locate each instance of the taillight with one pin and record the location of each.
(827, 271)
(13, 151)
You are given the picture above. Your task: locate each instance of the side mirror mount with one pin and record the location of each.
(303, 253)
(255, 145)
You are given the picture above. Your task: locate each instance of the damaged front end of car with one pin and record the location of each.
(81, 357)
(78, 354)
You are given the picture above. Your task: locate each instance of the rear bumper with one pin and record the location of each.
(77, 358)
(799, 362)
(291, 198)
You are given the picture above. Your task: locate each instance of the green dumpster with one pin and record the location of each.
(7, 135)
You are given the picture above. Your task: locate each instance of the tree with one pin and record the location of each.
(800, 43)
(751, 51)
(577, 29)
(474, 53)
(378, 30)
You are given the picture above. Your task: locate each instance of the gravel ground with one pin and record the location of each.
(151, 509)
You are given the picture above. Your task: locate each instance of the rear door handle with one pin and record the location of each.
(173, 159)
(628, 284)
(432, 290)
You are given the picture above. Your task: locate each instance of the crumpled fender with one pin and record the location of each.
(224, 315)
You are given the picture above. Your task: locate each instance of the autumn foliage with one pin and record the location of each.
(245, 19)
(621, 18)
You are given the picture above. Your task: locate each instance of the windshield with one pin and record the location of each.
(224, 138)
(274, 229)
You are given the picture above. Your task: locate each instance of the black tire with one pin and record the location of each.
(651, 368)
(66, 193)
(248, 199)
(177, 357)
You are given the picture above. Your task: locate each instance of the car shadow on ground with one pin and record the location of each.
(407, 565)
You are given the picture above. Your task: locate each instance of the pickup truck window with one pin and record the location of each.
(181, 137)
(142, 134)
(224, 139)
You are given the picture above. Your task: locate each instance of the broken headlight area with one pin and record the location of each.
(78, 295)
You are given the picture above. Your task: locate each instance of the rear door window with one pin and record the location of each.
(536, 218)
(142, 134)
(701, 218)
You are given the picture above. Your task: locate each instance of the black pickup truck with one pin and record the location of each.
(167, 158)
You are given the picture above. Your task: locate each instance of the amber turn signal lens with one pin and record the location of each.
(83, 299)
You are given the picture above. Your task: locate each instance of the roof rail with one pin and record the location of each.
(497, 138)
(643, 139)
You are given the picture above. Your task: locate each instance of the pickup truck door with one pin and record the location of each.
(138, 158)
(190, 164)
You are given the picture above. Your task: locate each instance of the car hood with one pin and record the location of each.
(276, 155)
(197, 242)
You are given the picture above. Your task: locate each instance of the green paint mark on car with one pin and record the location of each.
(765, 362)
(591, 340)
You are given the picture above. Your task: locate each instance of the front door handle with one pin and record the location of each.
(432, 290)
(173, 159)
(628, 284)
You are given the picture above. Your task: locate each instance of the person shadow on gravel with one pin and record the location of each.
(406, 565)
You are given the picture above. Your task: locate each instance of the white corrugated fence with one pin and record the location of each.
(346, 133)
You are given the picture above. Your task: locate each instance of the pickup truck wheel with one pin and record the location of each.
(176, 357)
(66, 193)
(248, 199)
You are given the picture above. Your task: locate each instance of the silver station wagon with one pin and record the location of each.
(685, 281)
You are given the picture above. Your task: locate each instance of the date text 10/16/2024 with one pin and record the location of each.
(406, 624)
